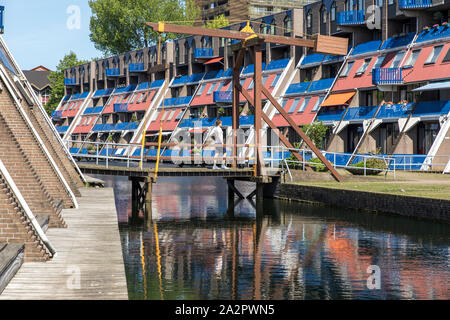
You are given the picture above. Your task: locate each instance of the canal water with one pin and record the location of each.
(193, 248)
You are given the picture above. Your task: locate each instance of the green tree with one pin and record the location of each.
(219, 21)
(57, 80)
(118, 26)
(316, 131)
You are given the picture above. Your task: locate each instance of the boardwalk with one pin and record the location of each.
(90, 247)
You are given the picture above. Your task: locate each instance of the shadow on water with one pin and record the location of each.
(191, 247)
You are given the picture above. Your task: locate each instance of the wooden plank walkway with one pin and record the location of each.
(90, 247)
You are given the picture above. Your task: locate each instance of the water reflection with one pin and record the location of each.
(192, 249)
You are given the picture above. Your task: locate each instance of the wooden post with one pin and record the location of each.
(235, 113)
(230, 208)
(256, 50)
(134, 198)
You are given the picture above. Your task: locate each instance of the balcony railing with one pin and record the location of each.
(70, 81)
(353, 17)
(387, 76)
(113, 72)
(121, 107)
(223, 96)
(56, 114)
(203, 53)
(414, 4)
(136, 67)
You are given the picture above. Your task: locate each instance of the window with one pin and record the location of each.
(412, 58)
(333, 11)
(178, 117)
(318, 103)
(169, 118)
(272, 27)
(379, 61)
(398, 58)
(294, 105)
(275, 80)
(165, 113)
(133, 98)
(309, 20)
(250, 87)
(323, 14)
(264, 79)
(200, 91)
(211, 89)
(283, 104)
(447, 56)
(287, 26)
(303, 105)
(434, 55)
(242, 82)
(347, 69)
(363, 67)
(140, 98)
(219, 87)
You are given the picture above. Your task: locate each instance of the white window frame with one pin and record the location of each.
(318, 103)
(363, 67)
(347, 69)
(432, 58)
(304, 104)
(411, 59)
(294, 105)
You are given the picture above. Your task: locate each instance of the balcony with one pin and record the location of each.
(414, 4)
(136, 67)
(56, 114)
(387, 76)
(202, 53)
(120, 107)
(70, 81)
(348, 18)
(223, 96)
(113, 72)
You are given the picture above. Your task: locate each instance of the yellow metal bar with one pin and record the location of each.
(158, 260)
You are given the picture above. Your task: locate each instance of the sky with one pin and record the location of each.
(41, 32)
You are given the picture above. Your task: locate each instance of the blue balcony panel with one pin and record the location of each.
(223, 96)
(434, 34)
(98, 110)
(414, 4)
(297, 88)
(156, 84)
(397, 42)
(431, 108)
(203, 53)
(127, 89)
(70, 81)
(277, 65)
(360, 113)
(320, 85)
(103, 92)
(366, 47)
(120, 107)
(89, 110)
(143, 86)
(115, 72)
(387, 76)
(330, 114)
(395, 111)
(98, 127)
(312, 59)
(214, 74)
(353, 17)
(136, 67)
(180, 81)
(195, 78)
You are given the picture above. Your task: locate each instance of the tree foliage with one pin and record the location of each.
(219, 21)
(57, 80)
(118, 26)
(316, 131)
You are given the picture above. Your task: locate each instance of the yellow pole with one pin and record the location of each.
(158, 259)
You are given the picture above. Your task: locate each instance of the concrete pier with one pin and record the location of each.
(89, 262)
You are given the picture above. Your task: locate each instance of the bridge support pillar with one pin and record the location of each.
(141, 196)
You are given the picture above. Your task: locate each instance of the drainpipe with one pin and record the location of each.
(26, 209)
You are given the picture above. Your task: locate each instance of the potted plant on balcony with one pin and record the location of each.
(91, 149)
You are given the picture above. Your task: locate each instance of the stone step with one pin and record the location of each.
(11, 259)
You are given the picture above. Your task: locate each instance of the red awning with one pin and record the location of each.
(214, 60)
(197, 130)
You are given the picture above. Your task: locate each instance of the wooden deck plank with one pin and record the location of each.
(90, 245)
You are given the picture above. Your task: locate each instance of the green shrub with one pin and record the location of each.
(371, 163)
(317, 164)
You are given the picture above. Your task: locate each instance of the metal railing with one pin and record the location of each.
(115, 72)
(70, 81)
(387, 76)
(136, 67)
(350, 17)
(414, 4)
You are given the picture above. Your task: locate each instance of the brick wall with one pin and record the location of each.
(55, 149)
(16, 228)
(30, 147)
(402, 205)
(26, 177)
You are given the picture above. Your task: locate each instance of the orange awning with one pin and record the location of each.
(214, 60)
(338, 99)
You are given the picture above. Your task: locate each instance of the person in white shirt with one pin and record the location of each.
(217, 133)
